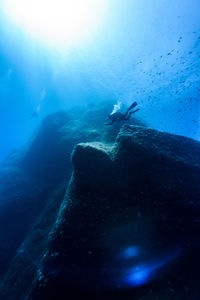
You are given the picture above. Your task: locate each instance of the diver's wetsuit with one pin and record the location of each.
(122, 117)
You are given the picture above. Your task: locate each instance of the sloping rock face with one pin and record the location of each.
(33, 184)
(27, 183)
(129, 225)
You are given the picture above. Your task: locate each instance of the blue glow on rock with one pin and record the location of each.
(130, 252)
(139, 275)
(143, 273)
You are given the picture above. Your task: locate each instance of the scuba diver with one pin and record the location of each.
(118, 116)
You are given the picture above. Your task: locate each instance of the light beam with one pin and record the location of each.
(56, 22)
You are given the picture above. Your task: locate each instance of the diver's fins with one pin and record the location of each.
(132, 106)
(132, 112)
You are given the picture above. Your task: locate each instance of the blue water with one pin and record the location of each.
(144, 50)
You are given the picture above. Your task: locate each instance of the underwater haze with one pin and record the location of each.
(146, 51)
(100, 143)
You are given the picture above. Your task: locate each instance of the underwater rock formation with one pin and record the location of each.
(32, 186)
(129, 226)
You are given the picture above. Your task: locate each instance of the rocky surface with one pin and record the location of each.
(32, 186)
(129, 226)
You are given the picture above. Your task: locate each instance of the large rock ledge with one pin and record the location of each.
(129, 225)
(33, 183)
